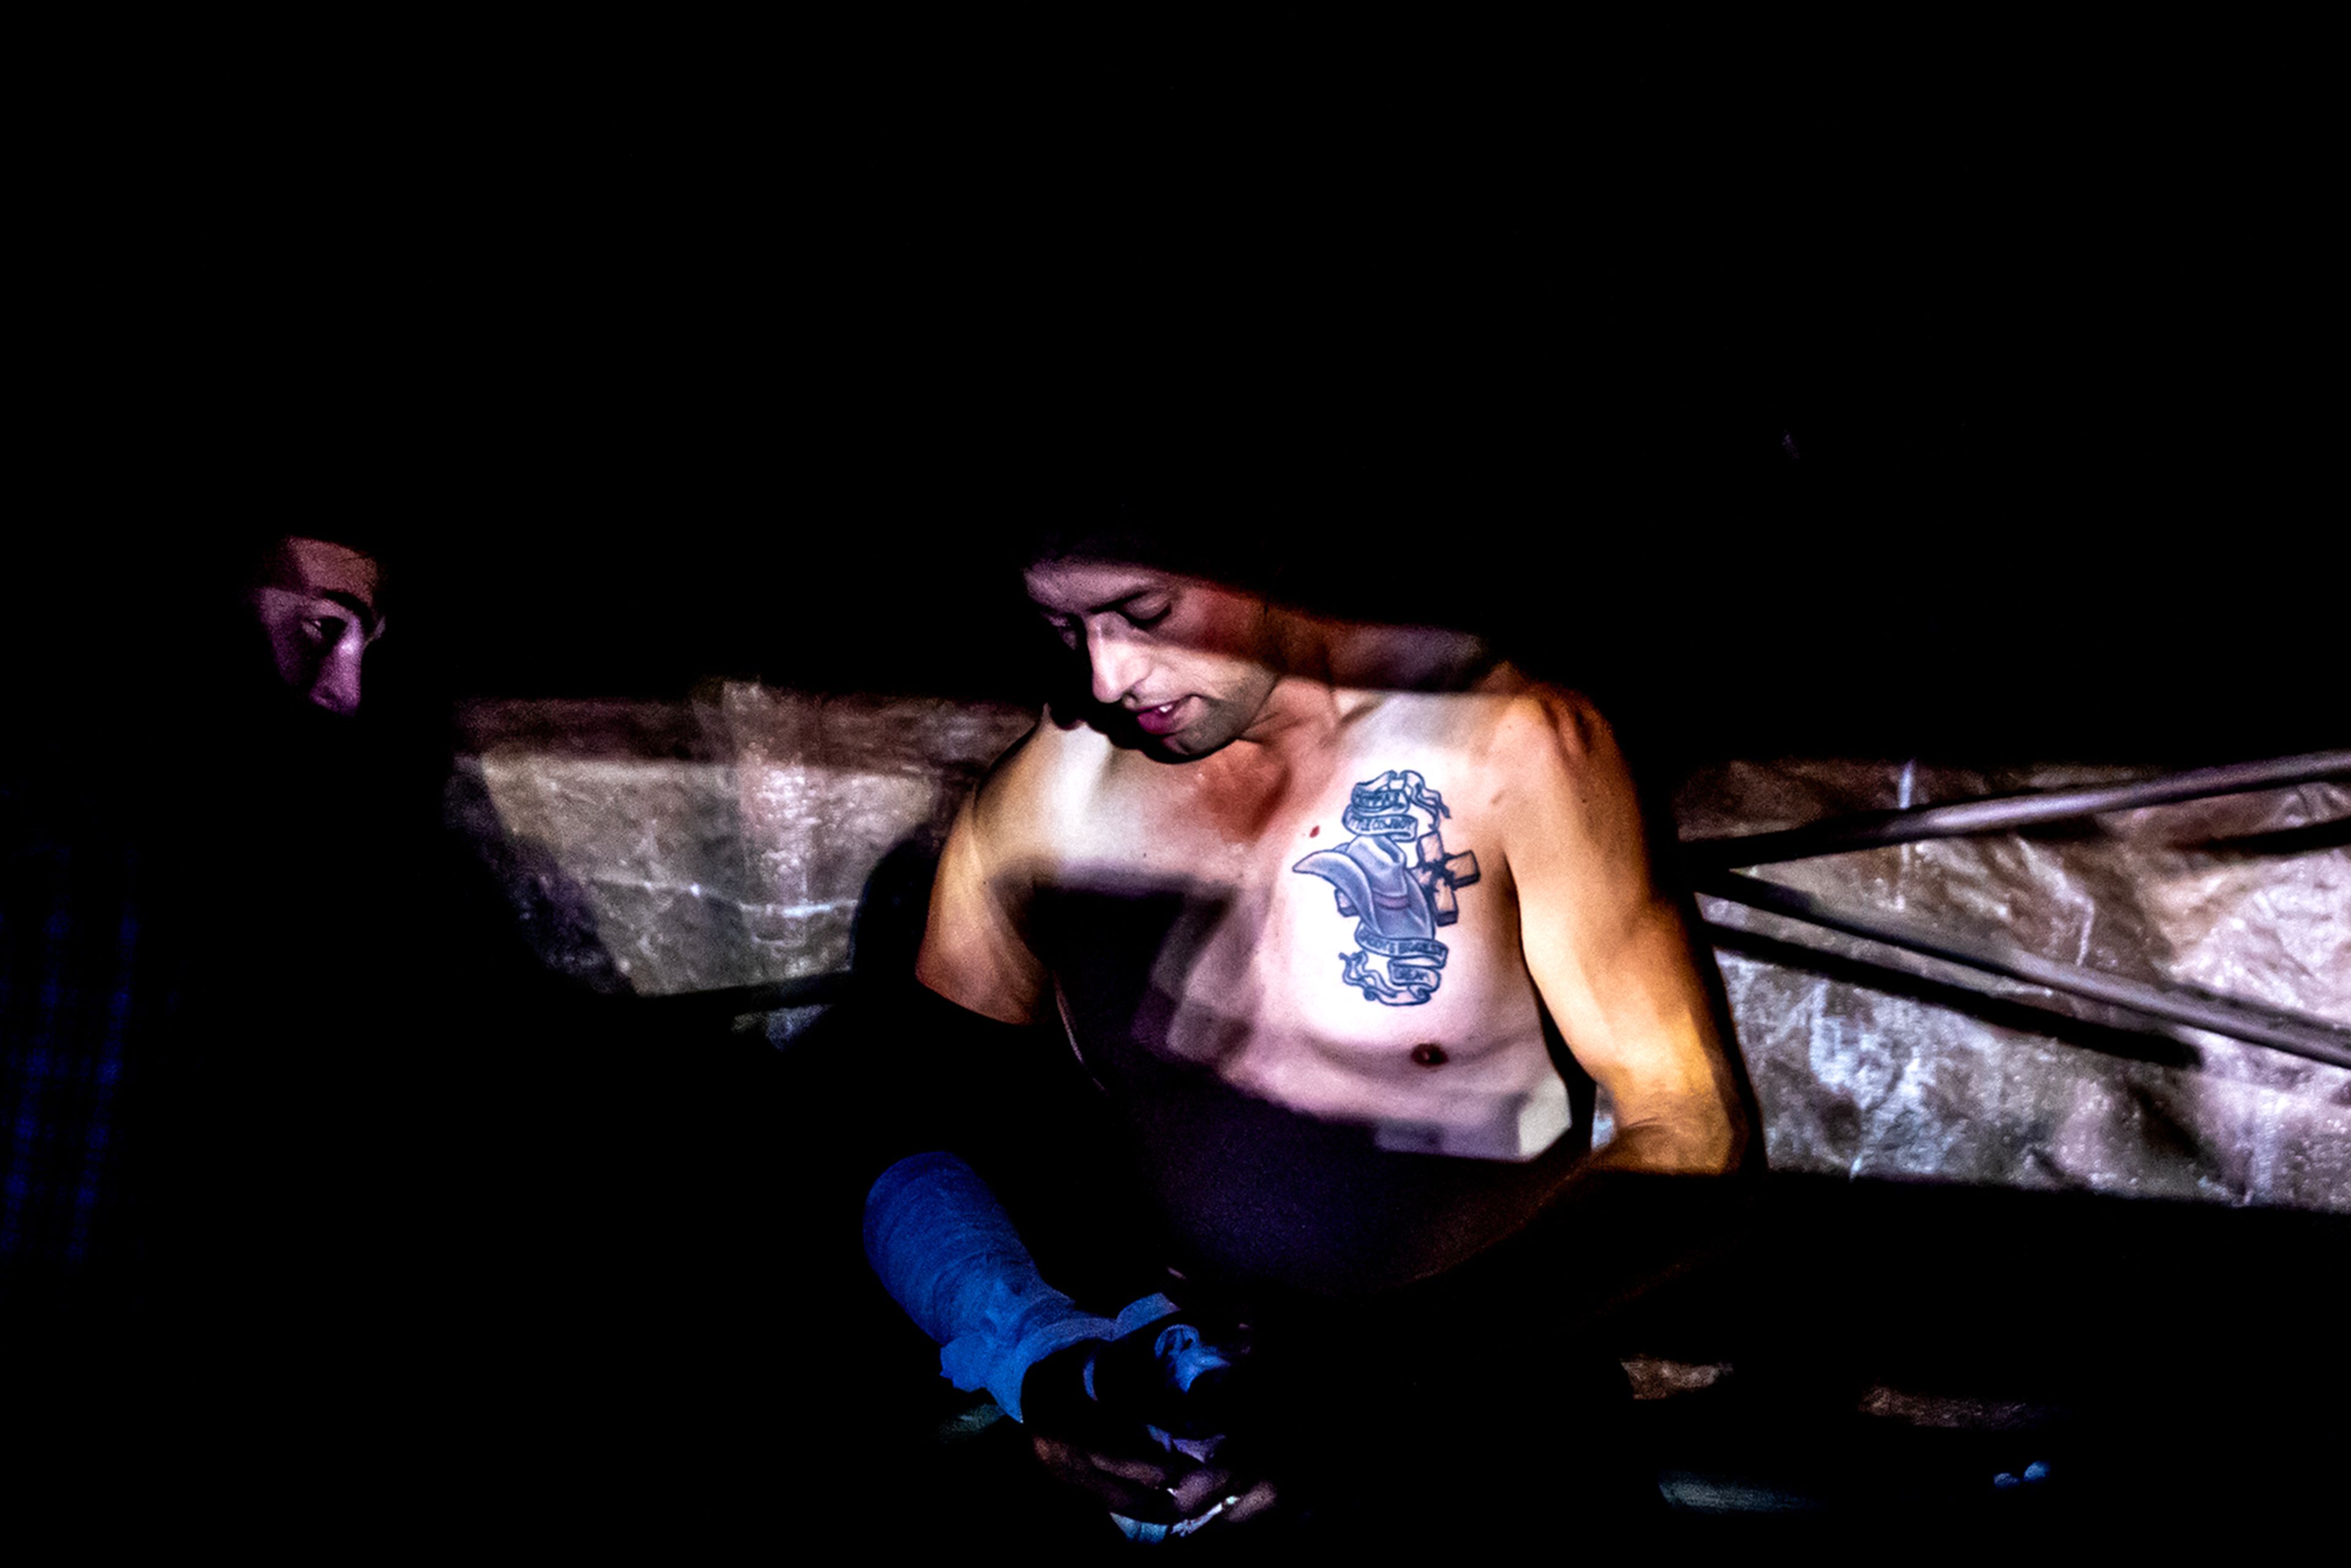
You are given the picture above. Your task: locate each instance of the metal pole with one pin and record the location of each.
(806, 990)
(1874, 830)
(2314, 1039)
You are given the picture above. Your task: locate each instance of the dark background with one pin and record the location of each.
(1791, 401)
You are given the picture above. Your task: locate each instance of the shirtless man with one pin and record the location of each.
(1318, 905)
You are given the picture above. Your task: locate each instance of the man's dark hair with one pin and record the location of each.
(257, 543)
(1219, 521)
(1195, 544)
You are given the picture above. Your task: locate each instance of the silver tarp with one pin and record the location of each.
(1870, 1061)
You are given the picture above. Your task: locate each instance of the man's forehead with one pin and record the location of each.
(321, 569)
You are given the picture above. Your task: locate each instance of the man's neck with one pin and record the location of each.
(1303, 713)
(1307, 705)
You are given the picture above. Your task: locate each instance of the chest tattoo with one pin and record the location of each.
(1396, 881)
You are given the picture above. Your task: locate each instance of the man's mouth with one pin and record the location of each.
(1165, 719)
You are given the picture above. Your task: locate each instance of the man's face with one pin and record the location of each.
(1191, 660)
(317, 604)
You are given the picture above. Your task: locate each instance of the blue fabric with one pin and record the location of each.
(76, 984)
(948, 1252)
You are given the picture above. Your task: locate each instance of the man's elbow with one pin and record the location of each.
(1723, 1150)
(1711, 1155)
(1700, 1137)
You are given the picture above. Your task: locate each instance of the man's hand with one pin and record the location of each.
(1139, 1424)
(1110, 1453)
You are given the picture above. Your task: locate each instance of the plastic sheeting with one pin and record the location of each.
(667, 847)
(1873, 1062)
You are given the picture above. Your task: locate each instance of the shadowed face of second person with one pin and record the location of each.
(315, 602)
(1191, 663)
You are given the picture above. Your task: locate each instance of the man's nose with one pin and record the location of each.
(1118, 665)
(337, 689)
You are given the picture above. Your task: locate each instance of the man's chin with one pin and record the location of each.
(1193, 741)
(1188, 744)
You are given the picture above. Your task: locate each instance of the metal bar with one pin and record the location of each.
(1951, 986)
(1875, 829)
(806, 990)
(2314, 1039)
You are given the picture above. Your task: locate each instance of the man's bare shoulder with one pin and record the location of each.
(1542, 756)
(1558, 781)
(1510, 722)
(1534, 724)
(1042, 783)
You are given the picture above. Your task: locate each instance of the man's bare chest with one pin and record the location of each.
(1343, 943)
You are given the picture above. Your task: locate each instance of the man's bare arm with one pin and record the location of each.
(945, 1250)
(974, 951)
(1607, 950)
